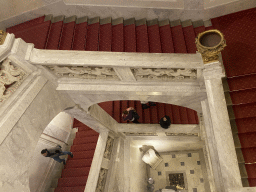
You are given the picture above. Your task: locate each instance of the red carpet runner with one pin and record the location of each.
(239, 61)
(75, 172)
(178, 114)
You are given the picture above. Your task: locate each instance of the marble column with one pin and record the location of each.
(218, 131)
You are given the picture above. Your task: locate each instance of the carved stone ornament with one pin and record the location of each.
(3, 35)
(10, 79)
(140, 134)
(105, 73)
(108, 149)
(101, 180)
(181, 134)
(164, 74)
(210, 43)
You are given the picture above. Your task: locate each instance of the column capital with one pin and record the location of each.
(213, 71)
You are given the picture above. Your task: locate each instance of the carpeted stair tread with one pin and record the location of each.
(191, 116)
(105, 37)
(249, 154)
(107, 106)
(82, 154)
(80, 36)
(70, 189)
(243, 96)
(130, 38)
(84, 128)
(76, 163)
(161, 110)
(251, 170)
(54, 35)
(199, 30)
(77, 123)
(242, 82)
(176, 114)
(154, 115)
(117, 38)
(146, 115)
(83, 147)
(117, 111)
(166, 39)
(142, 39)
(209, 28)
(189, 36)
(238, 29)
(169, 112)
(88, 133)
(82, 140)
(245, 110)
(37, 34)
(139, 110)
(67, 36)
(252, 182)
(25, 25)
(124, 105)
(246, 125)
(178, 39)
(72, 181)
(154, 39)
(183, 115)
(75, 172)
(92, 37)
(247, 139)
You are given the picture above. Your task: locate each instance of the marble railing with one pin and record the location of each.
(156, 130)
(118, 66)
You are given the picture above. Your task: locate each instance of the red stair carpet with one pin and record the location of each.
(152, 115)
(239, 61)
(75, 172)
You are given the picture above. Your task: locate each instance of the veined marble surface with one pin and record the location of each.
(16, 151)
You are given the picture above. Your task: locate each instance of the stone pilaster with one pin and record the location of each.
(218, 131)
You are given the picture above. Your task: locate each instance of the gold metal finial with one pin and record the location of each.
(3, 35)
(210, 43)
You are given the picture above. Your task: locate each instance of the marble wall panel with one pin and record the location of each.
(16, 151)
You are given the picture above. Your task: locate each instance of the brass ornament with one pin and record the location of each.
(3, 35)
(210, 43)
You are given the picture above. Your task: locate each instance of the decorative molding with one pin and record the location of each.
(139, 134)
(108, 149)
(10, 79)
(164, 74)
(3, 35)
(101, 180)
(181, 134)
(106, 73)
